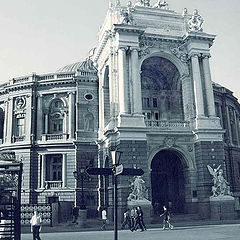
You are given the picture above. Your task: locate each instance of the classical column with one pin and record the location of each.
(101, 101)
(43, 171)
(28, 120)
(39, 117)
(137, 99)
(123, 87)
(71, 114)
(10, 121)
(46, 123)
(111, 84)
(208, 86)
(198, 92)
(5, 121)
(65, 125)
(64, 170)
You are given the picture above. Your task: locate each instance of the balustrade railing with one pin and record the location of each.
(167, 124)
(53, 184)
(58, 136)
(18, 138)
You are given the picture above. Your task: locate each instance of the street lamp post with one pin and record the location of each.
(116, 155)
(80, 175)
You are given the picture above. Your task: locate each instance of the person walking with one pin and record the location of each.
(126, 219)
(166, 218)
(104, 219)
(36, 225)
(138, 222)
(140, 215)
(75, 213)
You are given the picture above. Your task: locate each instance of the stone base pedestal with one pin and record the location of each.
(146, 208)
(82, 217)
(222, 208)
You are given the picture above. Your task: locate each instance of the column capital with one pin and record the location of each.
(195, 55)
(134, 49)
(122, 48)
(206, 55)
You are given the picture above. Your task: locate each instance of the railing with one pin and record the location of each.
(58, 136)
(167, 124)
(53, 184)
(19, 138)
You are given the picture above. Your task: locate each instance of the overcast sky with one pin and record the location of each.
(43, 35)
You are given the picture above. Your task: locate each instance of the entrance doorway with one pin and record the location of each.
(167, 181)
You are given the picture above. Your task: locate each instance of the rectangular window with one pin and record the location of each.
(146, 102)
(54, 168)
(20, 127)
(155, 102)
(156, 116)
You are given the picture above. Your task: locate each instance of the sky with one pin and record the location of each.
(43, 35)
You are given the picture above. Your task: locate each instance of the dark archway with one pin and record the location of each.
(167, 179)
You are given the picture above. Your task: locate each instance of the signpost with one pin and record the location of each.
(115, 171)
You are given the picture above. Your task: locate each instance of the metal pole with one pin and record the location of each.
(115, 209)
(82, 202)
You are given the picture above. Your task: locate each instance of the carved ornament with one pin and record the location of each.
(126, 15)
(169, 141)
(161, 4)
(20, 102)
(144, 3)
(195, 23)
(176, 49)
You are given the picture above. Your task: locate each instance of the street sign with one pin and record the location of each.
(99, 171)
(119, 170)
(109, 171)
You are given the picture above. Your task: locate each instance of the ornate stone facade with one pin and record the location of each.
(146, 90)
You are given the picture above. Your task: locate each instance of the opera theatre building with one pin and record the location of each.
(145, 90)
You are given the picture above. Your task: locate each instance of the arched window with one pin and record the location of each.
(56, 117)
(1, 123)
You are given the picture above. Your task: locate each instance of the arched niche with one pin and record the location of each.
(161, 88)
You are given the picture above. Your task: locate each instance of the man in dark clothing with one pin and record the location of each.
(126, 219)
(166, 218)
(75, 214)
(140, 214)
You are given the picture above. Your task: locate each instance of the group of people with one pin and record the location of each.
(133, 219)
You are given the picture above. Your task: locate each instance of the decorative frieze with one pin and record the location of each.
(176, 49)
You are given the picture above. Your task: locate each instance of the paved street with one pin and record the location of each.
(213, 232)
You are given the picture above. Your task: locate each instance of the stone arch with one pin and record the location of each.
(182, 67)
(172, 174)
(186, 158)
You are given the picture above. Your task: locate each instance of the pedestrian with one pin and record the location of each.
(137, 221)
(36, 225)
(104, 219)
(140, 214)
(126, 219)
(132, 218)
(166, 218)
(75, 213)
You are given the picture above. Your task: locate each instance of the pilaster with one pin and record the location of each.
(39, 117)
(208, 86)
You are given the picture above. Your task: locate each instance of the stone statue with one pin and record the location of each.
(126, 14)
(161, 4)
(139, 190)
(88, 122)
(220, 185)
(145, 3)
(195, 23)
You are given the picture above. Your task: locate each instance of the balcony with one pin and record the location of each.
(55, 137)
(53, 184)
(177, 124)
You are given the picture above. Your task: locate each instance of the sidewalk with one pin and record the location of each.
(95, 225)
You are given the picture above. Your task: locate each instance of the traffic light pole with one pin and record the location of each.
(115, 209)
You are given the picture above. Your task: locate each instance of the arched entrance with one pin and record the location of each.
(167, 180)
